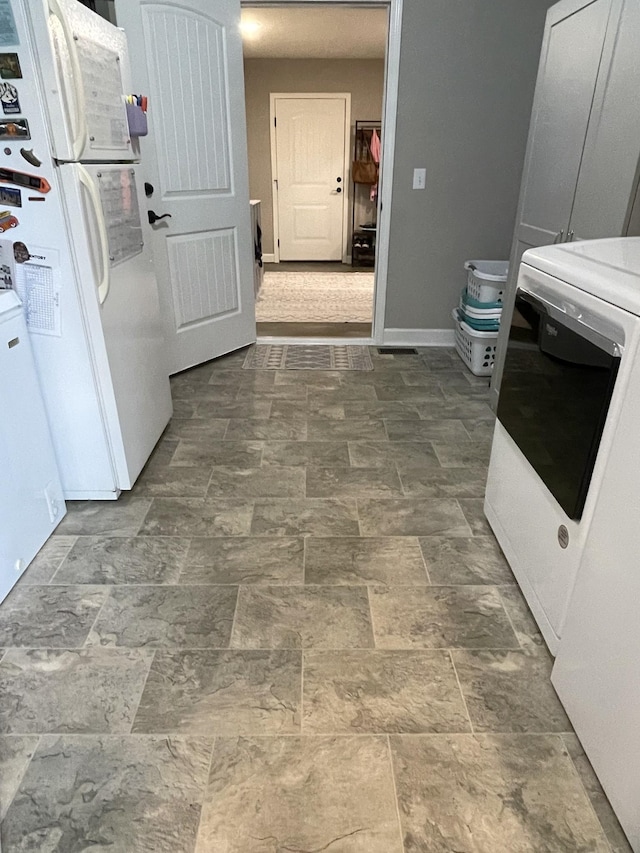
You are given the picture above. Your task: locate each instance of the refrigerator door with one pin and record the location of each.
(84, 68)
(118, 286)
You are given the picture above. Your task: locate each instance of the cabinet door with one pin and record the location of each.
(569, 64)
(612, 147)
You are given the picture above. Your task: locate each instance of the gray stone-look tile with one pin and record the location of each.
(442, 482)
(288, 617)
(246, 408)
(397, 410)
(524, 624)
(222, 693)
(465, 560)
(465, 617)
(601, 805)
(300, 794)
(400, 391)
(275, 481)
(385, 561)
(489, 793)
(172, 481)
(366, 429)
(419, 377)
(249, 380)
(473, 509)
(311, 378)
(313, 517)
(110, 793)
(299, 410)
(244, 560)
(469, 409)
(206, 454)
(15, 754)
(272, 430)
(463, 454)
(123, 560)
(46, 562)
(83, 691)
(275, 392)
(509, 691)
(381, 691)
(198, 517)
(383, 454)
(198, 428)
(182, 409)
(153, 617)
(450, 430)
(321, 453)
(344, 394)
(411, 517)
(352, 482)
(49, 617)
(480, 429)
(114, 518)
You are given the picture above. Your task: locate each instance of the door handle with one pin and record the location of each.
(80, 129)
(105, 280)
(153, 217)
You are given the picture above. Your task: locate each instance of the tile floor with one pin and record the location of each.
(296, 634)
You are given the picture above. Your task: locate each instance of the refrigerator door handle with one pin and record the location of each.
(80, 124)
(103, 286)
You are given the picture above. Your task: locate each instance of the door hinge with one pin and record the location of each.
(275, 121)
(278, 243)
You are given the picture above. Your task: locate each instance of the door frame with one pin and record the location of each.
(334, 96)
(389, 116)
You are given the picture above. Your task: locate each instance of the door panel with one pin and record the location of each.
(310, 156)
(564, 96)
(188, 55)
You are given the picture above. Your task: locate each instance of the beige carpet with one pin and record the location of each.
(316, 297)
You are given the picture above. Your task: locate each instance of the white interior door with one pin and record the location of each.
(310, 176)
(187, 55)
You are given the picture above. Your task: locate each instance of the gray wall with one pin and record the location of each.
(363, 78)
(467, 76)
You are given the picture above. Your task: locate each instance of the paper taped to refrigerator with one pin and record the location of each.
(37, 285)
(119, 199)
(104, 106)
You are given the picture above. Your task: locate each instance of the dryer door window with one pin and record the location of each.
(555, 395)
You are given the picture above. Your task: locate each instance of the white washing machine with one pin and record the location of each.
(563, 493)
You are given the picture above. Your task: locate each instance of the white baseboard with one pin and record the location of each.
(418, 338)
(268, 259)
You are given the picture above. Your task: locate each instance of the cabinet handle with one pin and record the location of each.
(558, 237)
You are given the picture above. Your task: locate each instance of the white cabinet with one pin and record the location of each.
(581, 167)
(30, 489)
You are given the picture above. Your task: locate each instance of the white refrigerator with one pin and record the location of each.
(84, 271)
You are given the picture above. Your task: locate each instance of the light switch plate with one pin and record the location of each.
(419, 179)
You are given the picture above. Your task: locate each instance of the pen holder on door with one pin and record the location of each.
(137, 119)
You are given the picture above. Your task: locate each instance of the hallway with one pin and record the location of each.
(297, 633)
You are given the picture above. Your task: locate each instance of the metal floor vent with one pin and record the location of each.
(397, 351)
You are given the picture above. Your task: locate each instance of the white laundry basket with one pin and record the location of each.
(486, 280)
(476, 349)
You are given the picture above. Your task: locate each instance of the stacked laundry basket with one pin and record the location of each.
(477, 318)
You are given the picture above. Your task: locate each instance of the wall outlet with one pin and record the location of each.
(419, 179)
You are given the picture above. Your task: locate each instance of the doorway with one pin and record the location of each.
(312, 77)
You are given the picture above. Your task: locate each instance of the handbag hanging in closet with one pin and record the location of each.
(364, 169)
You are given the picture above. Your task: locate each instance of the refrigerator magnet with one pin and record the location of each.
(7, 220)
(9, 99)
(17, 128)
(10, 196)
(10, 66)
(8, 29)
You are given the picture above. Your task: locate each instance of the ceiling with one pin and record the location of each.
(329, 32)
